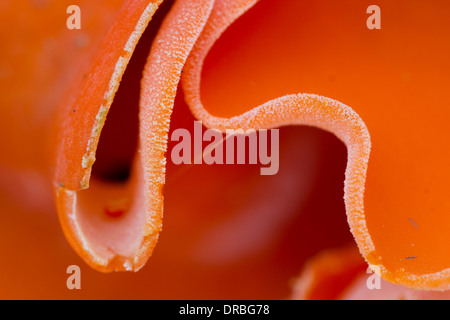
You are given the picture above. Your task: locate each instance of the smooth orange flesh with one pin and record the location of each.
(396, 81)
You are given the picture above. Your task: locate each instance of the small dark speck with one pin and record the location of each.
(74, 110)
(410, 258)
(413, 223)
(61, 184)
(39, 4)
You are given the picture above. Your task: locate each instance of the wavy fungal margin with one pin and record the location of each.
(188, 33)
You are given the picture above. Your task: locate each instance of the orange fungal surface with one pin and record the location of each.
(87, 116)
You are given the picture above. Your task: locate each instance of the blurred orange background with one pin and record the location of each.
(228, 232)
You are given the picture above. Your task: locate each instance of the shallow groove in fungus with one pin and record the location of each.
(118, 142)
